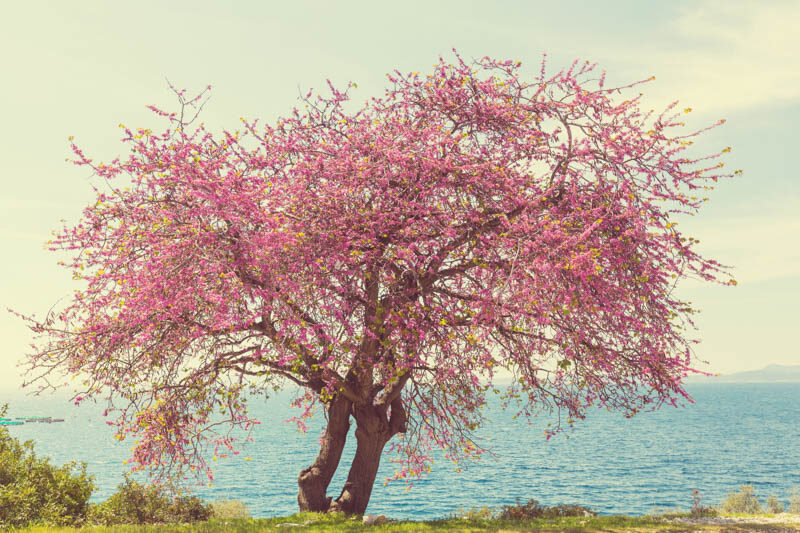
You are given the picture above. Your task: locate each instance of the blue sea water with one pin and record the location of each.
(734, 434)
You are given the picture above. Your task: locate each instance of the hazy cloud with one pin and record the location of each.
(719, 56)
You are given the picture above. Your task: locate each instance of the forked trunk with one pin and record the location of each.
(373, 431)
(314, 480)
(358, 487)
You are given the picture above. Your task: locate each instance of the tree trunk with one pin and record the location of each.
(373, 431)
(314, 480)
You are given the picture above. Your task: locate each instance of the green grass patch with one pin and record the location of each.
(337, 522)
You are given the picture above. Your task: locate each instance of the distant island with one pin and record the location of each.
(768, 374)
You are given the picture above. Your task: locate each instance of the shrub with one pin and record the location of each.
(533, 509)
(135, 503)
(32, 491)
(794, 501)
(774, 505)
(743, 501)
(697, 507)
(190, 509)
(484, 513)
(229, 509)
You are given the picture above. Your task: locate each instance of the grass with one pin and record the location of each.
(337, 522)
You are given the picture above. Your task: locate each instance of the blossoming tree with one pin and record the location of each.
(391, 262)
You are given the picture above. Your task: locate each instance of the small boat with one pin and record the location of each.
(29, 419)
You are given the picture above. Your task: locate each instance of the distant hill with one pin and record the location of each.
(768, 374)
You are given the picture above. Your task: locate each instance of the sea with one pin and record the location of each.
(734, 434)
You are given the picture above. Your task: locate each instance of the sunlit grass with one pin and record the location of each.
(334, 522)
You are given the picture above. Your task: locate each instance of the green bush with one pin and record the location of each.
(32, 491)
(229, 509)
(135, 503)
(794, 501)
(473, 514)
(743, 501)
(533, 509)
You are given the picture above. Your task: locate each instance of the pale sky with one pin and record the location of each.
(81, 68)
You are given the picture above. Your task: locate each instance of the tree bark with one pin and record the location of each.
(373, 431)
(314, 480)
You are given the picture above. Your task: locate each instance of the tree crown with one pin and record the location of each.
(468, 221)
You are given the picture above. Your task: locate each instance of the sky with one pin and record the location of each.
(81, 68)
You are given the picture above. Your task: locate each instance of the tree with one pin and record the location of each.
(389, 261)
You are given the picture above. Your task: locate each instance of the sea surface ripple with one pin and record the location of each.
(734, 434)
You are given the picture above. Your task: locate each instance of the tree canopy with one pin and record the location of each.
(392, 261)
